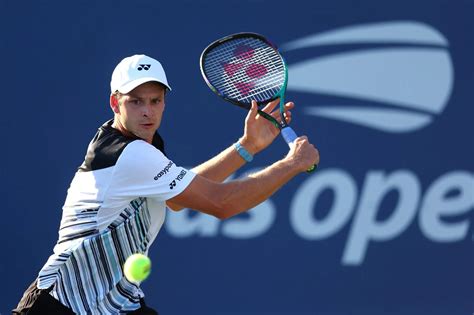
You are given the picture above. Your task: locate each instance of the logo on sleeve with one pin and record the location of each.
(164, 171)
(177, 179)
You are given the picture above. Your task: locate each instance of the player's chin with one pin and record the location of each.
(145, 132)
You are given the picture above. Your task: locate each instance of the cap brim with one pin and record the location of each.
(133, 84)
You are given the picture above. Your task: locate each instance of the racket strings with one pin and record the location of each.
(267, 84)
(244, 69)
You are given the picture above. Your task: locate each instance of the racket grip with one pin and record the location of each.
(290, 135)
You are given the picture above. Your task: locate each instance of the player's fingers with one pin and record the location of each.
(271, 106)
(253, 109)
(288, 117)
(288, 106)
(302, 139)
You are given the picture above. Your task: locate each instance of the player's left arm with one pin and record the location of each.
(259, 133)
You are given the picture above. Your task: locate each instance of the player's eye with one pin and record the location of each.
(134, 101)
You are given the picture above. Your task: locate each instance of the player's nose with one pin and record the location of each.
(146, 109)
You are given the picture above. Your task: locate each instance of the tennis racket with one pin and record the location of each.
(245, 66)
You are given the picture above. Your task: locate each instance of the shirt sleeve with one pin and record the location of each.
(144, 171)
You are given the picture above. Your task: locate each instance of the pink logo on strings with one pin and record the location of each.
(256, 71)
(231, 68)
(253, 71)
(244, 87)
(244, 52)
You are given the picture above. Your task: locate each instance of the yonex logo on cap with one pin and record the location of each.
(135, 70)
(143, 67)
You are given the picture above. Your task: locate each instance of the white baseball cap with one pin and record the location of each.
(135, 70)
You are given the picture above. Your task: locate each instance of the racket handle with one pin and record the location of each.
(290, 135)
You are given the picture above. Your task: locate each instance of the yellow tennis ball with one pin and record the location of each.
(137, 268)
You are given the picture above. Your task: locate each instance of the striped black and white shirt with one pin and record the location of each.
(115, 207)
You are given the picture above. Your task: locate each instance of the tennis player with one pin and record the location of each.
(117, 200)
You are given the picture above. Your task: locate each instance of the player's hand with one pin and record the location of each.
(303, 155)
(259, 132)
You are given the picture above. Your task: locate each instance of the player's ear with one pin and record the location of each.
(114, 103)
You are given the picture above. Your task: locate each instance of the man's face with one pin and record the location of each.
(140, 111)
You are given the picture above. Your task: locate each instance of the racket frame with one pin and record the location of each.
(246, 105)
(286, 131)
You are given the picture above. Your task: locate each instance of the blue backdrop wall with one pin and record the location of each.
(384, 89)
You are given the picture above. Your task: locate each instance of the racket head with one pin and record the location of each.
(243, 67)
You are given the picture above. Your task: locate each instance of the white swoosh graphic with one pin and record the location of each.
(389, 120)
(406, 32)
(417, 78)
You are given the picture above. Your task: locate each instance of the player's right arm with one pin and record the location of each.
(224, 200)
(259, 133)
